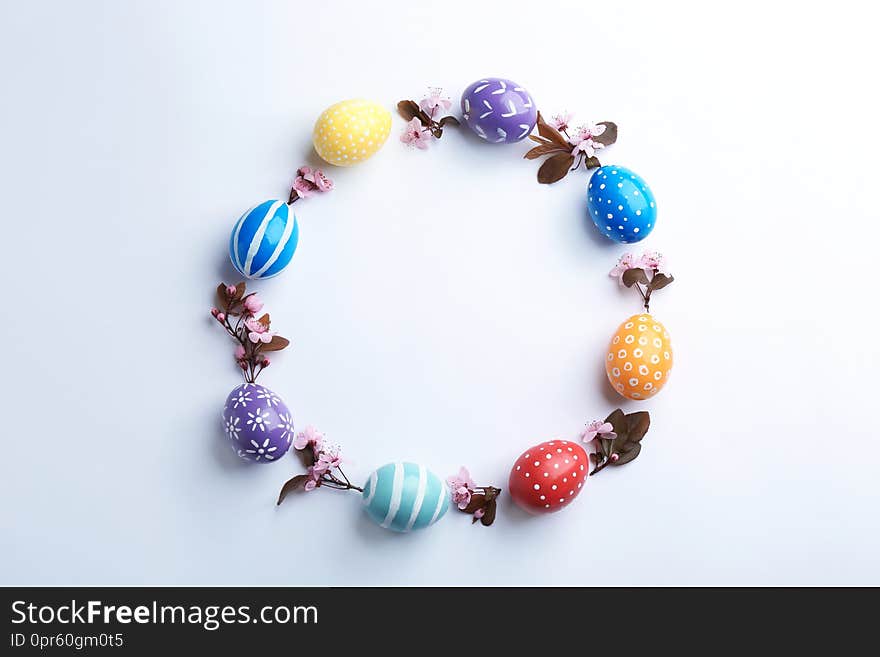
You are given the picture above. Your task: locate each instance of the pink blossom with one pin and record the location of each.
(303, 187)
(652, 260)
(265, 337)
(257, 331)
(254, 325)
(221, 317)
(561, 121)
(583, 140)
(479, 513)
(434, 101)
(625, 262)
(309, 436)
(462, 487)
(239, 352)
(230, 290)
(598, 428)
(415, 135)
(588, 131)
(329, 460)
(587, 146)
(314, 478)
(310, 181)
(462, 479)
(461, 496)
(322, 182)
(253, 304)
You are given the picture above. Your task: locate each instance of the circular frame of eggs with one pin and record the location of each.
(406, 496)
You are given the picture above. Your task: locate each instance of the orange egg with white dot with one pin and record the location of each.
(351, 131)
(639, 357)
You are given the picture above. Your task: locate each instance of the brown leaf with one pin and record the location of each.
(549, 132)
(408, 109)
(606, 444)
(609, 136)
(492, 492)
(240, 288)
(478, 500)
(629, 455)
(543, 149)
(278, 343)
(306, 456)
(222, 299)
(633, 276)
(660, 281)
(594, 458)
(291, 485)
(637, 425)
(448, 120)
(618, 421)
(437, 132)
(265, 320)
(540, 140)
(555, 168)
(592, 163)
(489, 516)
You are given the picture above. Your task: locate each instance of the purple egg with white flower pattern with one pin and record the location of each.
(258, 424)
(498, 110)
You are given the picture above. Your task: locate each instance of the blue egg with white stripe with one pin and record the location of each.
(405, 496)
(264, 239)
(621, 204)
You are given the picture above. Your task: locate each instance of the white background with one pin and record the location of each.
(443, 307)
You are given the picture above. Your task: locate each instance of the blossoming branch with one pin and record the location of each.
(648, 270)
(236, 312)
(616, 440)
(479, 501)
(323, 463)
(308, 182)
(425, 119)
(568, 147)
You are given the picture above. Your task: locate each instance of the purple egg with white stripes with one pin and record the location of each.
(498, 110)
(258, 424)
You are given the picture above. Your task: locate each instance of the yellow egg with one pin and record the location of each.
(639, 357)
(351, 131)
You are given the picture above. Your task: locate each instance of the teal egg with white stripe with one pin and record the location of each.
(263, 240)
(405, 496)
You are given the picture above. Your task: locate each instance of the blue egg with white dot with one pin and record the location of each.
(264, 239)
(405, 496)
(621, 204)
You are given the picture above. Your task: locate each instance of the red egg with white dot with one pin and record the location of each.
(547, 477)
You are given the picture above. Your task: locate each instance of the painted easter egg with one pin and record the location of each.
(639, 357)
(405, 496)
(547, 477)
(498, 110)
(621, 204)
(351, 131)
(258, 423)
(263, 240)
